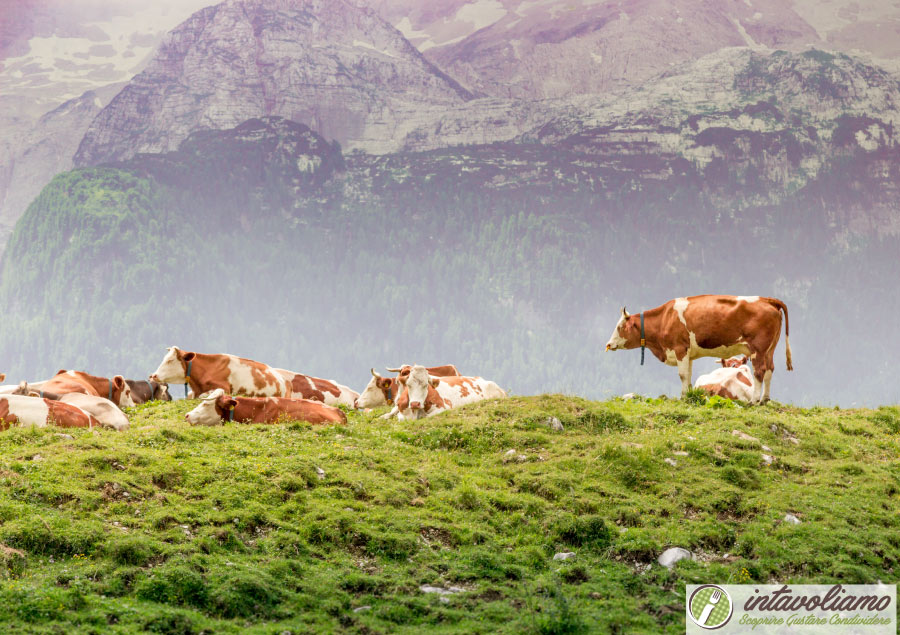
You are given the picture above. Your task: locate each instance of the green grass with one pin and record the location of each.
(172, 529)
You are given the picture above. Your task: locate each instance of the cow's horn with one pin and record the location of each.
(393, 370)
(375, 374)
(624, 312)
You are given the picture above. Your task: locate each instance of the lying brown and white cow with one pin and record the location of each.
(106, 412)
(733, 381)
(683, 329)
(383, 391)
(234, 375)
(219, 407)
(325, 390)
(66, 381)
(18, 410)
(424, 395)
(143, 390)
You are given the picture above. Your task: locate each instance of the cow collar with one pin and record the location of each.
(187, 376)
(390, 398)
(147, 381)
(231, 414)
(110, 388)
(643, 339)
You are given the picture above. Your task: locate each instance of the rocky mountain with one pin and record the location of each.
(340, 69)
(510, 258)
(52, 51)
(33, 151)
(554, 48)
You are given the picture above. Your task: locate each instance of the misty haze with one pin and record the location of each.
(335, 186)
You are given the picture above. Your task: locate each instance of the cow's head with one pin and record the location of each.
(376, 393)
(121, 392)
(211, 409)
(627, 333)
(161, 392)
(734, 362)
(24, 389)
(416, 386)
(173, 368)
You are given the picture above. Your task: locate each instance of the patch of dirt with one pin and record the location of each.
(490, 595)
(436, 535)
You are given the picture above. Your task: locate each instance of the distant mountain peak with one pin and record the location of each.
(339, 68)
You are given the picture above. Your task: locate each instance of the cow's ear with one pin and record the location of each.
(434, 382)
(188, 357)
(61, 371)
(227, 403)
(119, 382)
(723, 361)
(402, 379)
(2, 377)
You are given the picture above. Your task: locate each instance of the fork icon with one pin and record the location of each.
(713, 600)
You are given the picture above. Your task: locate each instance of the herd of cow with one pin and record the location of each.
(232, 388)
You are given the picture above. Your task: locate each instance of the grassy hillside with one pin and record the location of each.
(292, 528)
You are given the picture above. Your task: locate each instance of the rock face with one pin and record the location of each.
(558, 48)
(342, 70)
(33, 152)
(519, 48)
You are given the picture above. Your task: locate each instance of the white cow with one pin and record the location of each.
(734, 380)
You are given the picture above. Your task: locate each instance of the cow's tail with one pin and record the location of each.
(787, 331)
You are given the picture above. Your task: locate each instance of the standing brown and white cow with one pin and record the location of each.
(383, 391)
(235, 375)
(66, 381)
(325, 390)
(684, 329)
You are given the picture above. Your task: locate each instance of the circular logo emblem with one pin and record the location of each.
(710, 606)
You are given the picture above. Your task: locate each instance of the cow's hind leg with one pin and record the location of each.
(685, 369)
(767, 375)
(760, 375)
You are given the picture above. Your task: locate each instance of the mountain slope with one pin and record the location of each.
(34, 151)
(340, 69)
(558, 48)
(509, 259)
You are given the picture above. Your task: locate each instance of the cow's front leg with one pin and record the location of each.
(758, 376)
(685, 368)
(390, 414)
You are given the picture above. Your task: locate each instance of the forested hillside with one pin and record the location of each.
(510, 260)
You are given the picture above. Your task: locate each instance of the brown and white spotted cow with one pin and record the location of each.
(18, 410)
(106, 412)
(66, 381)
(235, 375)
(219, 407)
(424, 395)
(733, 381)
(684, 329)
(383, 391)
(325, 390)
